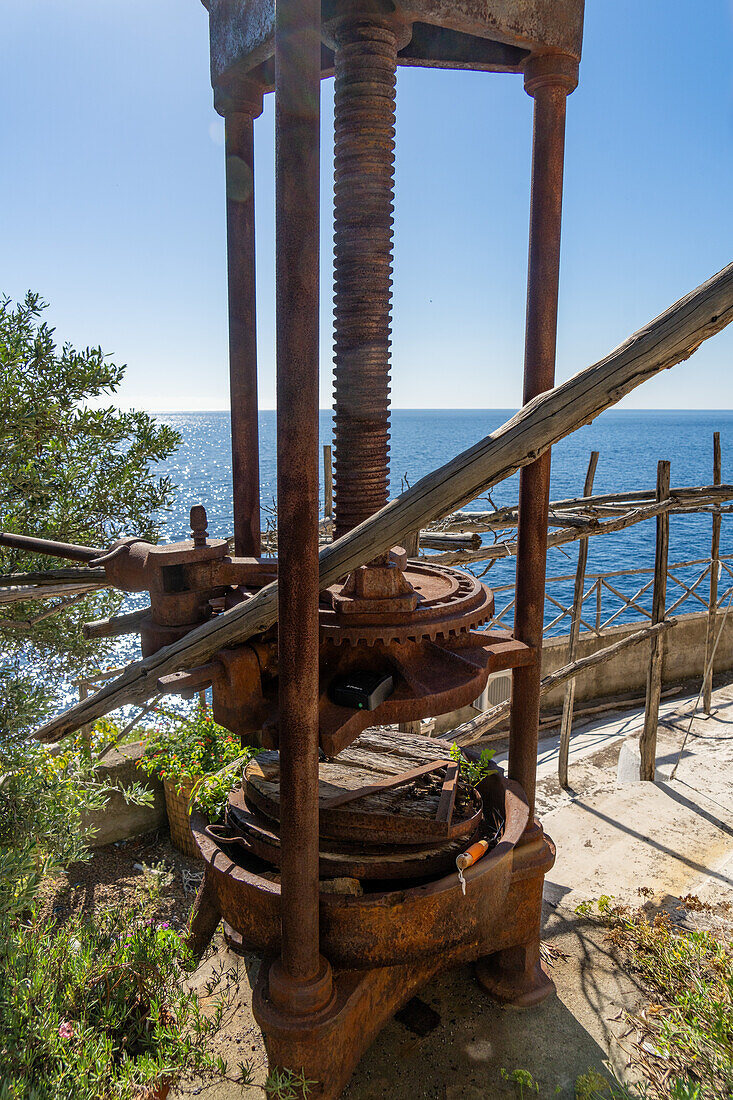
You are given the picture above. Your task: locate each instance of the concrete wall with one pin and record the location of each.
(684, 657)
(120, 820)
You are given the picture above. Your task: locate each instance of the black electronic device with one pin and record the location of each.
(361, 690)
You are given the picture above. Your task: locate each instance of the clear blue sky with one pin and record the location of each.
(112, 201)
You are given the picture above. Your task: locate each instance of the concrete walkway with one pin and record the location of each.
(670, 839)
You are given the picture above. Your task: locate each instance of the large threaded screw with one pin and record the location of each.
(366, 65)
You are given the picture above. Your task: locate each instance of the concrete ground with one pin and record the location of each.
(667, 839)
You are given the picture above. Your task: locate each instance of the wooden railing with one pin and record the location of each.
(601, 590)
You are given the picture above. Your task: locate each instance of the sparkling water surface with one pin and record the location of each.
(630, 444)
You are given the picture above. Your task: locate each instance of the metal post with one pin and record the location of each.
(240, 112)
(300, 980)
(549, 79)
(648, 739)
(566, 723)
(707, 687)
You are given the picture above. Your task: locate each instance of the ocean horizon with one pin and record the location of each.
(630, 443)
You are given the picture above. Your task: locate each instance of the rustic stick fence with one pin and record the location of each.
(569, 700)
(670, 338)
(600, 588)
(578, 518)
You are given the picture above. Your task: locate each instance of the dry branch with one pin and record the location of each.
(581, 527)
(114, 627)
(28, 624)
(559, 538)
(474, 730)
(685, 498)
(72, 575)
(45, 592)
(441, 540)
(665, 341)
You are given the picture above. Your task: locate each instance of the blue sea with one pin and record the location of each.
(630, 444)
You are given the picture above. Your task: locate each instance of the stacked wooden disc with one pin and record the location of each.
(391, 806)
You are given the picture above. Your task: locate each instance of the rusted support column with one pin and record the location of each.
(366, 41)
(240, 107)
(549, 79)
(707, 687)
(566, 723)
(648, 739)
(300, 981)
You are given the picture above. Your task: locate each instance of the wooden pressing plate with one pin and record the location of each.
(251, 831)
(429, 810)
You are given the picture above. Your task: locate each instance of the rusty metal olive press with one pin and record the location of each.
(404, 633)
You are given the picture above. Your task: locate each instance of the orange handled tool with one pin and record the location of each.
(468, 858)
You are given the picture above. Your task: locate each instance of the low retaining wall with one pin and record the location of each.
(625, 674)
(119, 819)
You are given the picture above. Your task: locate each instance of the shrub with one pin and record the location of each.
(193, 749)
(97, 1009)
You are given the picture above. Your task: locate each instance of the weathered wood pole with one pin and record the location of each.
(86, 730)
(300, 981)
(566, 723)
(707, 687)
(411, 544)
(648, 739)
(548, 79)
(240, 108)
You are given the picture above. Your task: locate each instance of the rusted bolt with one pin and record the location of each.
(199, 523)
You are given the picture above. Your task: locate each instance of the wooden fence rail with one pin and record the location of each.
(601, 583)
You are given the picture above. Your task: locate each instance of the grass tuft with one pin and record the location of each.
(685, 1046)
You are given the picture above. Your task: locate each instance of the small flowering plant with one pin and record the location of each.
(194, 751)
(182, 748)
(99, 1007)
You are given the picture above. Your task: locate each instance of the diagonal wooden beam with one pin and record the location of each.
(669, 339)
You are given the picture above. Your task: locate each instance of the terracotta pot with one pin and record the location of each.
(177, 798)
(155, 1092)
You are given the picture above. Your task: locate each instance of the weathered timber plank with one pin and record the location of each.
(669, 339)
(71, 575)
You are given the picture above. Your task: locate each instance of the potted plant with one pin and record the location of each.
(191, 751)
